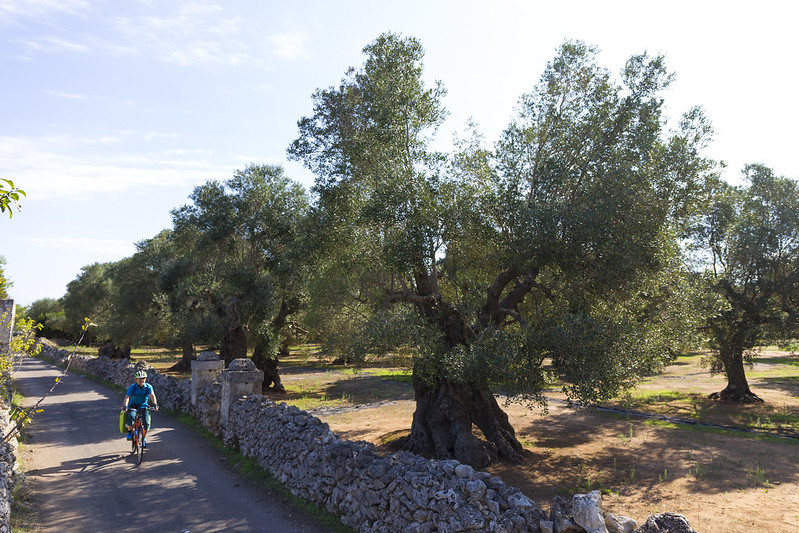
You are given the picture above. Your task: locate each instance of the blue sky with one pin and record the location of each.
(111, 112)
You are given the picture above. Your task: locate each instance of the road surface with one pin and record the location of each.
(86, 479)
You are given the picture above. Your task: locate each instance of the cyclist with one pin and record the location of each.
(139, 395)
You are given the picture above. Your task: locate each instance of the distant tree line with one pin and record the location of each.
(589, 242)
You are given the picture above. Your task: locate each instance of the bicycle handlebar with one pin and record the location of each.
(142, 408)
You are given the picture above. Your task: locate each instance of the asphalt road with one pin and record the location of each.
(86, 479)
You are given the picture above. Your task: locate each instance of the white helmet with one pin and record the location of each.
(141, 374)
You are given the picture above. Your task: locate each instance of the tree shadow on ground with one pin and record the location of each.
(789, 384)
(570, 452)
(368, 389)
(350, 389)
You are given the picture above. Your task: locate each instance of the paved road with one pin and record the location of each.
(87, 481)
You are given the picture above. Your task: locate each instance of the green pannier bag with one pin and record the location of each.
(122, 422)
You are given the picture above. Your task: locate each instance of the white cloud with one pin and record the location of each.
(12, 11)
(64, 94)
(204, 53)
(290, 46)
(76, 168)
(196, 34)
(113, 247)
(150, 135)
(53, 44)
(185, 34)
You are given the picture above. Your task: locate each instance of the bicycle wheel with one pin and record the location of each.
(140, 445)
(134, 445)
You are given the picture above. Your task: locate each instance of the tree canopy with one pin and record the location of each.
(747, 243)
(492, 261)
(237, 259)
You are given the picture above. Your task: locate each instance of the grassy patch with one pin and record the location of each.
(649, 397)
(681, 404)
(392, 374)
(306, 402)
(24, 508)
(689, 359)
(303, 354)
(714, 430)
(790, 361)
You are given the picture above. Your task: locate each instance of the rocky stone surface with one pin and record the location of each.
(587, 512)
(401, 492)
(8, 469)
(666, 523)
(619, 524)
(562, 517)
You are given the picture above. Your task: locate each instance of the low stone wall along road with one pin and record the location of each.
(86, 479)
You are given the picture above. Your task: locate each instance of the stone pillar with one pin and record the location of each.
(6, 324)
(241, 378)
(204, 370)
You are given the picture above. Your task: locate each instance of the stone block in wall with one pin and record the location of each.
(240, 379)
(206, 369)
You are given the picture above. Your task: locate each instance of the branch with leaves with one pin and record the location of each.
(9, 196)
(22, 417)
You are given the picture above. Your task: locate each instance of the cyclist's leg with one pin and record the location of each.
(130, 420)
(130, 416)
(145, 422)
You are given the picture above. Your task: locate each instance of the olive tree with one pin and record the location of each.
(747, 243)
(238, 258)
(490, 263)
(49, 313)
(88, 295)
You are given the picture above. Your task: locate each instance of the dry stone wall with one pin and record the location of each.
(371, 493)
(8, 469)
(9, 474)
(172, 393)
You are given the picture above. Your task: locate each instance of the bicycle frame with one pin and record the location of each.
(137, 444)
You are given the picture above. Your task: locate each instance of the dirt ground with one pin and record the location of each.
(721, 480)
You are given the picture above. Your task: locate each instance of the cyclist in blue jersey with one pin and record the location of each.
(139, 395)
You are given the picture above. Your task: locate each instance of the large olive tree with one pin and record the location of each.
(547, 250)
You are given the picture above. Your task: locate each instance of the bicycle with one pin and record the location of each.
(137, 443)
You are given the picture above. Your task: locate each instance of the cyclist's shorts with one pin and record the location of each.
(132, 417)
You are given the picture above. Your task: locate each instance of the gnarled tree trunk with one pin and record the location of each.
(234, 344)
(735, 333)
(269, 367)
(737, 389)
(112, 351)
(443, 421)
(446, 411)
(185, 362)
